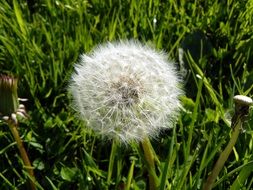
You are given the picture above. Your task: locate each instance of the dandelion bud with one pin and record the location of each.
(8, 95)
(126, 90)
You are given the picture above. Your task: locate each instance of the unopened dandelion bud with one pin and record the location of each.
(242, 104)
(8, 95)
(243, 100)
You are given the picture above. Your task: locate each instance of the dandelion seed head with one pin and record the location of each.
(126, 90)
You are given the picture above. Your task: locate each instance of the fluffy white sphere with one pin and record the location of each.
(126, 90)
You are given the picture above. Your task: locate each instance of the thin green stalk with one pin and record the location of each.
(8, 182)
(223, 157)
(23, 153)
(150, 161)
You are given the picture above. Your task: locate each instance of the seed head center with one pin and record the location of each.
(127, 91)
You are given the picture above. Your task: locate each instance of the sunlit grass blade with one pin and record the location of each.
(20, 19)
(242, 176)
(130, 175)
(168, 162)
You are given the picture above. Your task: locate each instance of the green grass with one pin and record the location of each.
(41, 41)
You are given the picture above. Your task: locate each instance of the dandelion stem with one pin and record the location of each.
(223, 157)
(242, 104)
(23, 153)
(149, 157)
(111, 162)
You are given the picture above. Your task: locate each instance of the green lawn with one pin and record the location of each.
(40, 41)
